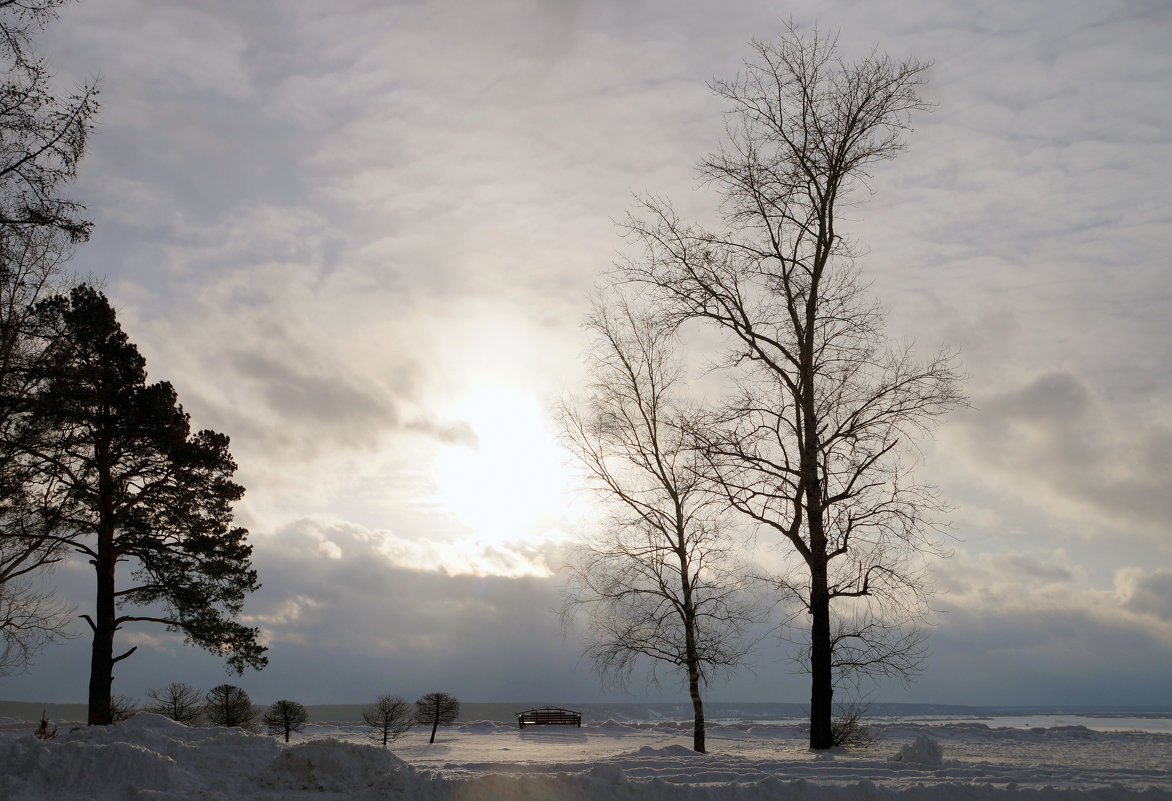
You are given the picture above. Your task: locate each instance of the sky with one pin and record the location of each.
(360, 237)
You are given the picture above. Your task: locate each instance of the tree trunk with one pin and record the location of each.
(102, 659)
(821, 672)
(821, 661)
(101, 711)
(697, 708)
(434, 723)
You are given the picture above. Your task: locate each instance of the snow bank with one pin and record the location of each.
(330, 766)
(924, 751)
(149, 758)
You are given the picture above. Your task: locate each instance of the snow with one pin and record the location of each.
(924, 751)
(149, 758)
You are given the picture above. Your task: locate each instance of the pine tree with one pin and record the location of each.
(127, 483)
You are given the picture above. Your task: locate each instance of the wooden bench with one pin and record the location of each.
(549, 715)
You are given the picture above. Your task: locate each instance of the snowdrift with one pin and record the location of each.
(149, 758)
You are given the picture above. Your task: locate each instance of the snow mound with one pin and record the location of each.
(924, 751)
(148, 724)
(607, 775)
(667, 750)
(330, 766)
(81, 769)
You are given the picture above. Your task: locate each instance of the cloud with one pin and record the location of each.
(457, 433)
(1146, 593)
(330, 225)
(1059, 447)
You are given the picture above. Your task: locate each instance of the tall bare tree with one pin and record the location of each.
(657, 582)
(43, 135)
(31, 265)
(817, 442)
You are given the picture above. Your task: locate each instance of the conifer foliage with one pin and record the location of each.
(148, 503)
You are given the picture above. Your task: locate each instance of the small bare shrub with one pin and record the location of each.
(122, 707)
(42, 732)
(849, 727)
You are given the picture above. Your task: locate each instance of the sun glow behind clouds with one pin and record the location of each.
(516, 484)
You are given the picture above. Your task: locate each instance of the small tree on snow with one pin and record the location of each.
(180, 702)
(228, 705)
(389, 718)
(285, 717)
(438, 709)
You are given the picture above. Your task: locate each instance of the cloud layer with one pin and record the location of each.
(338, 229)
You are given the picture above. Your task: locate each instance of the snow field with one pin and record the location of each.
(150, 758)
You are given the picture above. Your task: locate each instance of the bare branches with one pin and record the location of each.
(42, 137)
(816, 443)
(390, 717)
(178, 701)
(29, 619)
(285, 717)
(658, 582)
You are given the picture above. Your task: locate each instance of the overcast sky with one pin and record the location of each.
(359, 237)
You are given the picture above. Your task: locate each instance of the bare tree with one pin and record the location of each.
(228, 705)
(45, 135)
(285, 717)
(658, 582)
(438, 709)
(389, 718)
(42, 138)
(180, 702)
(30, 617)
(817, 444)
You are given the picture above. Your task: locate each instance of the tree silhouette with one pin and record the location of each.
(228, 705)
(127, 483)
(658, 581)
(285, 717)
(390, 718)
(438, 709)
(43, 135)
(180, 702)
(815, 443)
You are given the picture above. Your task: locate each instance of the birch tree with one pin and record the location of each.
(657, 581)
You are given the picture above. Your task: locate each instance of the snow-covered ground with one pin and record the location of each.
(152, 758)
